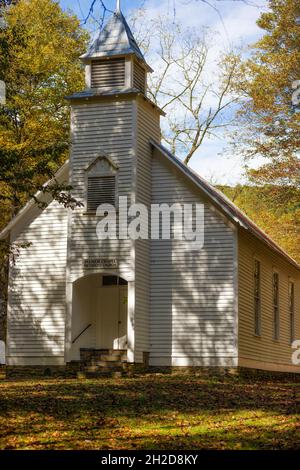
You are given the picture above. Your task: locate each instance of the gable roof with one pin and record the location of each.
(115, 38)
(60, 175)
(234, 214)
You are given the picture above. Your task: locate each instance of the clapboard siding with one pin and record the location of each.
(148, 126)
(192, 309)
(100, 129)
(106, 129)
(36, 313)
(265, 349)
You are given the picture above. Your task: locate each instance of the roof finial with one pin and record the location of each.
(118, 9)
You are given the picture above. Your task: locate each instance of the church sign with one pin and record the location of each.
(94, 263)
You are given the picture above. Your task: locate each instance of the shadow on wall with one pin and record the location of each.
(84, 305)
(205, 303)
(192, 292)
(36, 322)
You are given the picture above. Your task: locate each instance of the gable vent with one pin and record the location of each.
(101, 190)
(139, 77)
(108, 73)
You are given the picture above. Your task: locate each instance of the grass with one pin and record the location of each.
(153, 411)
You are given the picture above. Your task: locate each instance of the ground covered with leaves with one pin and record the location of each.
(150, 412)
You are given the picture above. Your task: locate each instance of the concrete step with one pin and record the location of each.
(108, 351)
(98, 363)
(102, 352)
(113, 352)
(97, 368)
(100, 374)
(113, 357)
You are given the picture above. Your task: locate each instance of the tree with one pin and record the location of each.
(275, 209)
(39, 50)
(196, 101)
(40, 47)
(271, 124)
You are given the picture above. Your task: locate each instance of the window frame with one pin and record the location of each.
(257, 297)
(291, 306)
(276, 306)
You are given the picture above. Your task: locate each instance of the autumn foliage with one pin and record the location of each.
(40, 47)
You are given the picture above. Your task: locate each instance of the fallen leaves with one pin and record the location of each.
(149, 412)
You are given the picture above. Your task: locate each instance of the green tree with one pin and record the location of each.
(266, 82)
(40, 47)
(275, 209)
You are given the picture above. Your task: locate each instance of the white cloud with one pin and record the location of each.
(233, 21)
(212, 163)
(235, 24)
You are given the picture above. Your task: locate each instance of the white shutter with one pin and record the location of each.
(139, 77)
(108, 73)
(100, 190)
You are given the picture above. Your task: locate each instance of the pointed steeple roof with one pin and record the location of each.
(114, 39)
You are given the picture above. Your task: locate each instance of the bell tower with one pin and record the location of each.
(112, 125)
(114, 62)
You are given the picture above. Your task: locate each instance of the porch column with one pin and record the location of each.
(68, 321)
(130, 322)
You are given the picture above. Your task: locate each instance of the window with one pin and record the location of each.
(257, 300)
(113, 281)
(292, 310)
(100, 190)
(275, 306)
(139, 77)
(108, 73)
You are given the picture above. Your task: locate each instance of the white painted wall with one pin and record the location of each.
(36, 291)
(118, 130)
(184, 299)
(192, 300)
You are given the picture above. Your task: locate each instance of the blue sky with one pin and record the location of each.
(234, 25)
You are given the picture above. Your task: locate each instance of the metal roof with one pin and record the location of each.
(228, 207)
(114, 39)
(96, 93)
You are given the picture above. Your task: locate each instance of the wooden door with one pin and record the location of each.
(111, 318)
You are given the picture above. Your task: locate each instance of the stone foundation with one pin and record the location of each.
(74, 369)
(37, 371)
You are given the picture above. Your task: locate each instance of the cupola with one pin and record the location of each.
(114, 62)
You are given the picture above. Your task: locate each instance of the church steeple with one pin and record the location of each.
(114, 61)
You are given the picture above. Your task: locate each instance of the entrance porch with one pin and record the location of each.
(99, 319)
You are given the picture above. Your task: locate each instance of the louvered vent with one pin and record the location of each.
(101, 190)
(108, 73)
(139, 77)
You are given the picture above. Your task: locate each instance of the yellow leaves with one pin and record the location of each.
(65, 413)
(274, 209)
(39, 62)
(53, 40)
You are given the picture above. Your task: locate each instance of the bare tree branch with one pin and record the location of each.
(194, 95)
